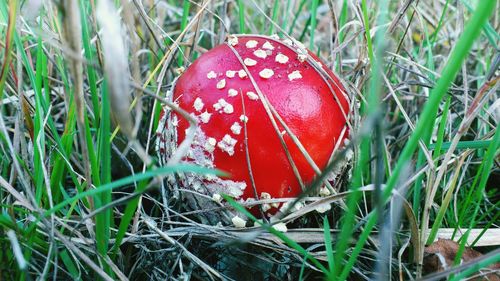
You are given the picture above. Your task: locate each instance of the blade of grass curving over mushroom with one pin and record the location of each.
(458, 54)
(158, 172)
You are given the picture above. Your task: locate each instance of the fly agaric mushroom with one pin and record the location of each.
(241, 93)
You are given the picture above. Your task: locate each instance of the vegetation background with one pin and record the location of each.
(82, 195)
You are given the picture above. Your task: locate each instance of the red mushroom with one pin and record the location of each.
(237, 91)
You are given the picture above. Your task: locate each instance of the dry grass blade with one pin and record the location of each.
(16, 248)
(116, 67)
(73, 38)
(152, 225)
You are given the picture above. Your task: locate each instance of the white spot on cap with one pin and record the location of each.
(242, 73)
(227, 144)
(221, 84)
(232, 93)
(287, 41)
(238, 222)
(294, 75)
(211, 75)
(232, 40)
(222, 106)
(210, 145)
(205, 117)
(198, 104)
(249, 62)
(243, 118)
(251, 44)
(230, 73)
(236, 128)
(265, 196)
(302, 57)
(266, 73)
(260, 53)
(281, 58)
(253, 96)
(228, 108)
(301, 54)
(268, 46)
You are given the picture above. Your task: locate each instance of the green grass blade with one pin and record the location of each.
(241, 15)
(103, 219)
(185, 15)
(296, 16)
(328, 244)
(312, 31)
(131, 179)
(476, 144)
(274, 16)
(89, 56)
(441, 129)
(476, 267)
(11, 25)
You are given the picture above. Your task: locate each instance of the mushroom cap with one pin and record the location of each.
(217, 89)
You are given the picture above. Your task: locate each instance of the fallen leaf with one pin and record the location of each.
(440, 256)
